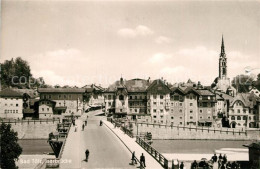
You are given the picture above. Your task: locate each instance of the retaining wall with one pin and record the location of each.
(34, 130)
(196, 133)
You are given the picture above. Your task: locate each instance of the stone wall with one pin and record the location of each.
(196, 133)
(34, 130)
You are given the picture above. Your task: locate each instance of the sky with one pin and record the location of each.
(84, 42)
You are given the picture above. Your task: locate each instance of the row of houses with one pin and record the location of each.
(48, 102)
(137, 99)
(159, 102)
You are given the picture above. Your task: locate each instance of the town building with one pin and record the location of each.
(127, 98)
(93, 96)
(11, 103)
(69, 101)
(244, 111)
(15, 103)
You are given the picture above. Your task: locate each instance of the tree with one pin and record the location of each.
(242, 83)
(10, 149)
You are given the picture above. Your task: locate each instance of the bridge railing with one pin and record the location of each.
(51, 120)
(63, 145)
(153, 152)
(127, 131)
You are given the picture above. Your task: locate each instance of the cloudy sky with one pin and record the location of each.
(84, 42)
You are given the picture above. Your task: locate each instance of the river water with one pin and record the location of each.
(195, 146)
(35, 146)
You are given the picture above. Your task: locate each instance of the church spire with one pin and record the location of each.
(222, 46)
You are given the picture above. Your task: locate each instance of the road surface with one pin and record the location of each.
(106, 150)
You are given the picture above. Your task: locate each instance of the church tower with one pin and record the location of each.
(222, 62)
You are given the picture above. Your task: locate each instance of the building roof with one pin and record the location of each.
(61, 90)
(224, 96)
(133, 85)
(92, 87)
(31, 92)
(8, 92)
(158, 86)
(205, 92)
(248, 99)
(176, 89)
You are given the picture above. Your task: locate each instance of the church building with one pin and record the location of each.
(222, 82)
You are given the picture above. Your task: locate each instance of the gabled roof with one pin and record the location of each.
(177, 89)
(158, 86)
(92, 87)
(133, 85)
(248, 99)
(191, 90)
(61, 90)
(225, 96)
(8, 92)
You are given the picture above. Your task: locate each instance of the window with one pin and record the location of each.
(249, 117)
(191, 117)
(16, 111)
(161, 110)
(48, 109)
(233, 118)
(135, 110)
(109, 103)
(238, 110)
(154, 96)
(161, 103)
(180, 117)
(154, 117)
(17, 105)
(42, 109)
(180, 122)
(154, 103)
(109, 97)
(176, 97)
(13, 111)
(121, 110)
(191, 104)
(180, 104)
(200, 117)
(209, 117)
(59, 96)
(5, 104)
(130, 97)
(121, 97)
(244, 110)
(172, 104)
(191, 111)
(238, 117)
(49, 96)
(64, 96)
(172, 117)
(244, 117)
(154, 110)
(254, 117)
(180, 110)
(161, 117)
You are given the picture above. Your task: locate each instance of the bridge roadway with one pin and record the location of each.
(106, 150)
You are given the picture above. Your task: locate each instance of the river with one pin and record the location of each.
(38, 146)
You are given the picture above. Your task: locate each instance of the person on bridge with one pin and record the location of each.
(87, 154)
(100, 123)
(214, 158)
(182, 165)
(83, 126)
(133, 158)
(76, 127)
(194, 165)
(220, 157)
(86, 122)
(225, 159)
(142, 160)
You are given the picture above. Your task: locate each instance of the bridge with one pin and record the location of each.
(109, 147)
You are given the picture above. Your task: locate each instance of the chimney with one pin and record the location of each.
(121, 81)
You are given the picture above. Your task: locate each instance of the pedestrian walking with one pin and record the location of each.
(87, 154)
(194, 165)
(83, 126)
(220, 157)
(100, 123)
(225, 159)
(214, 158)
(76, 127)
(133, 158)
(142, 160)
(182, 165)
(86, 122)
